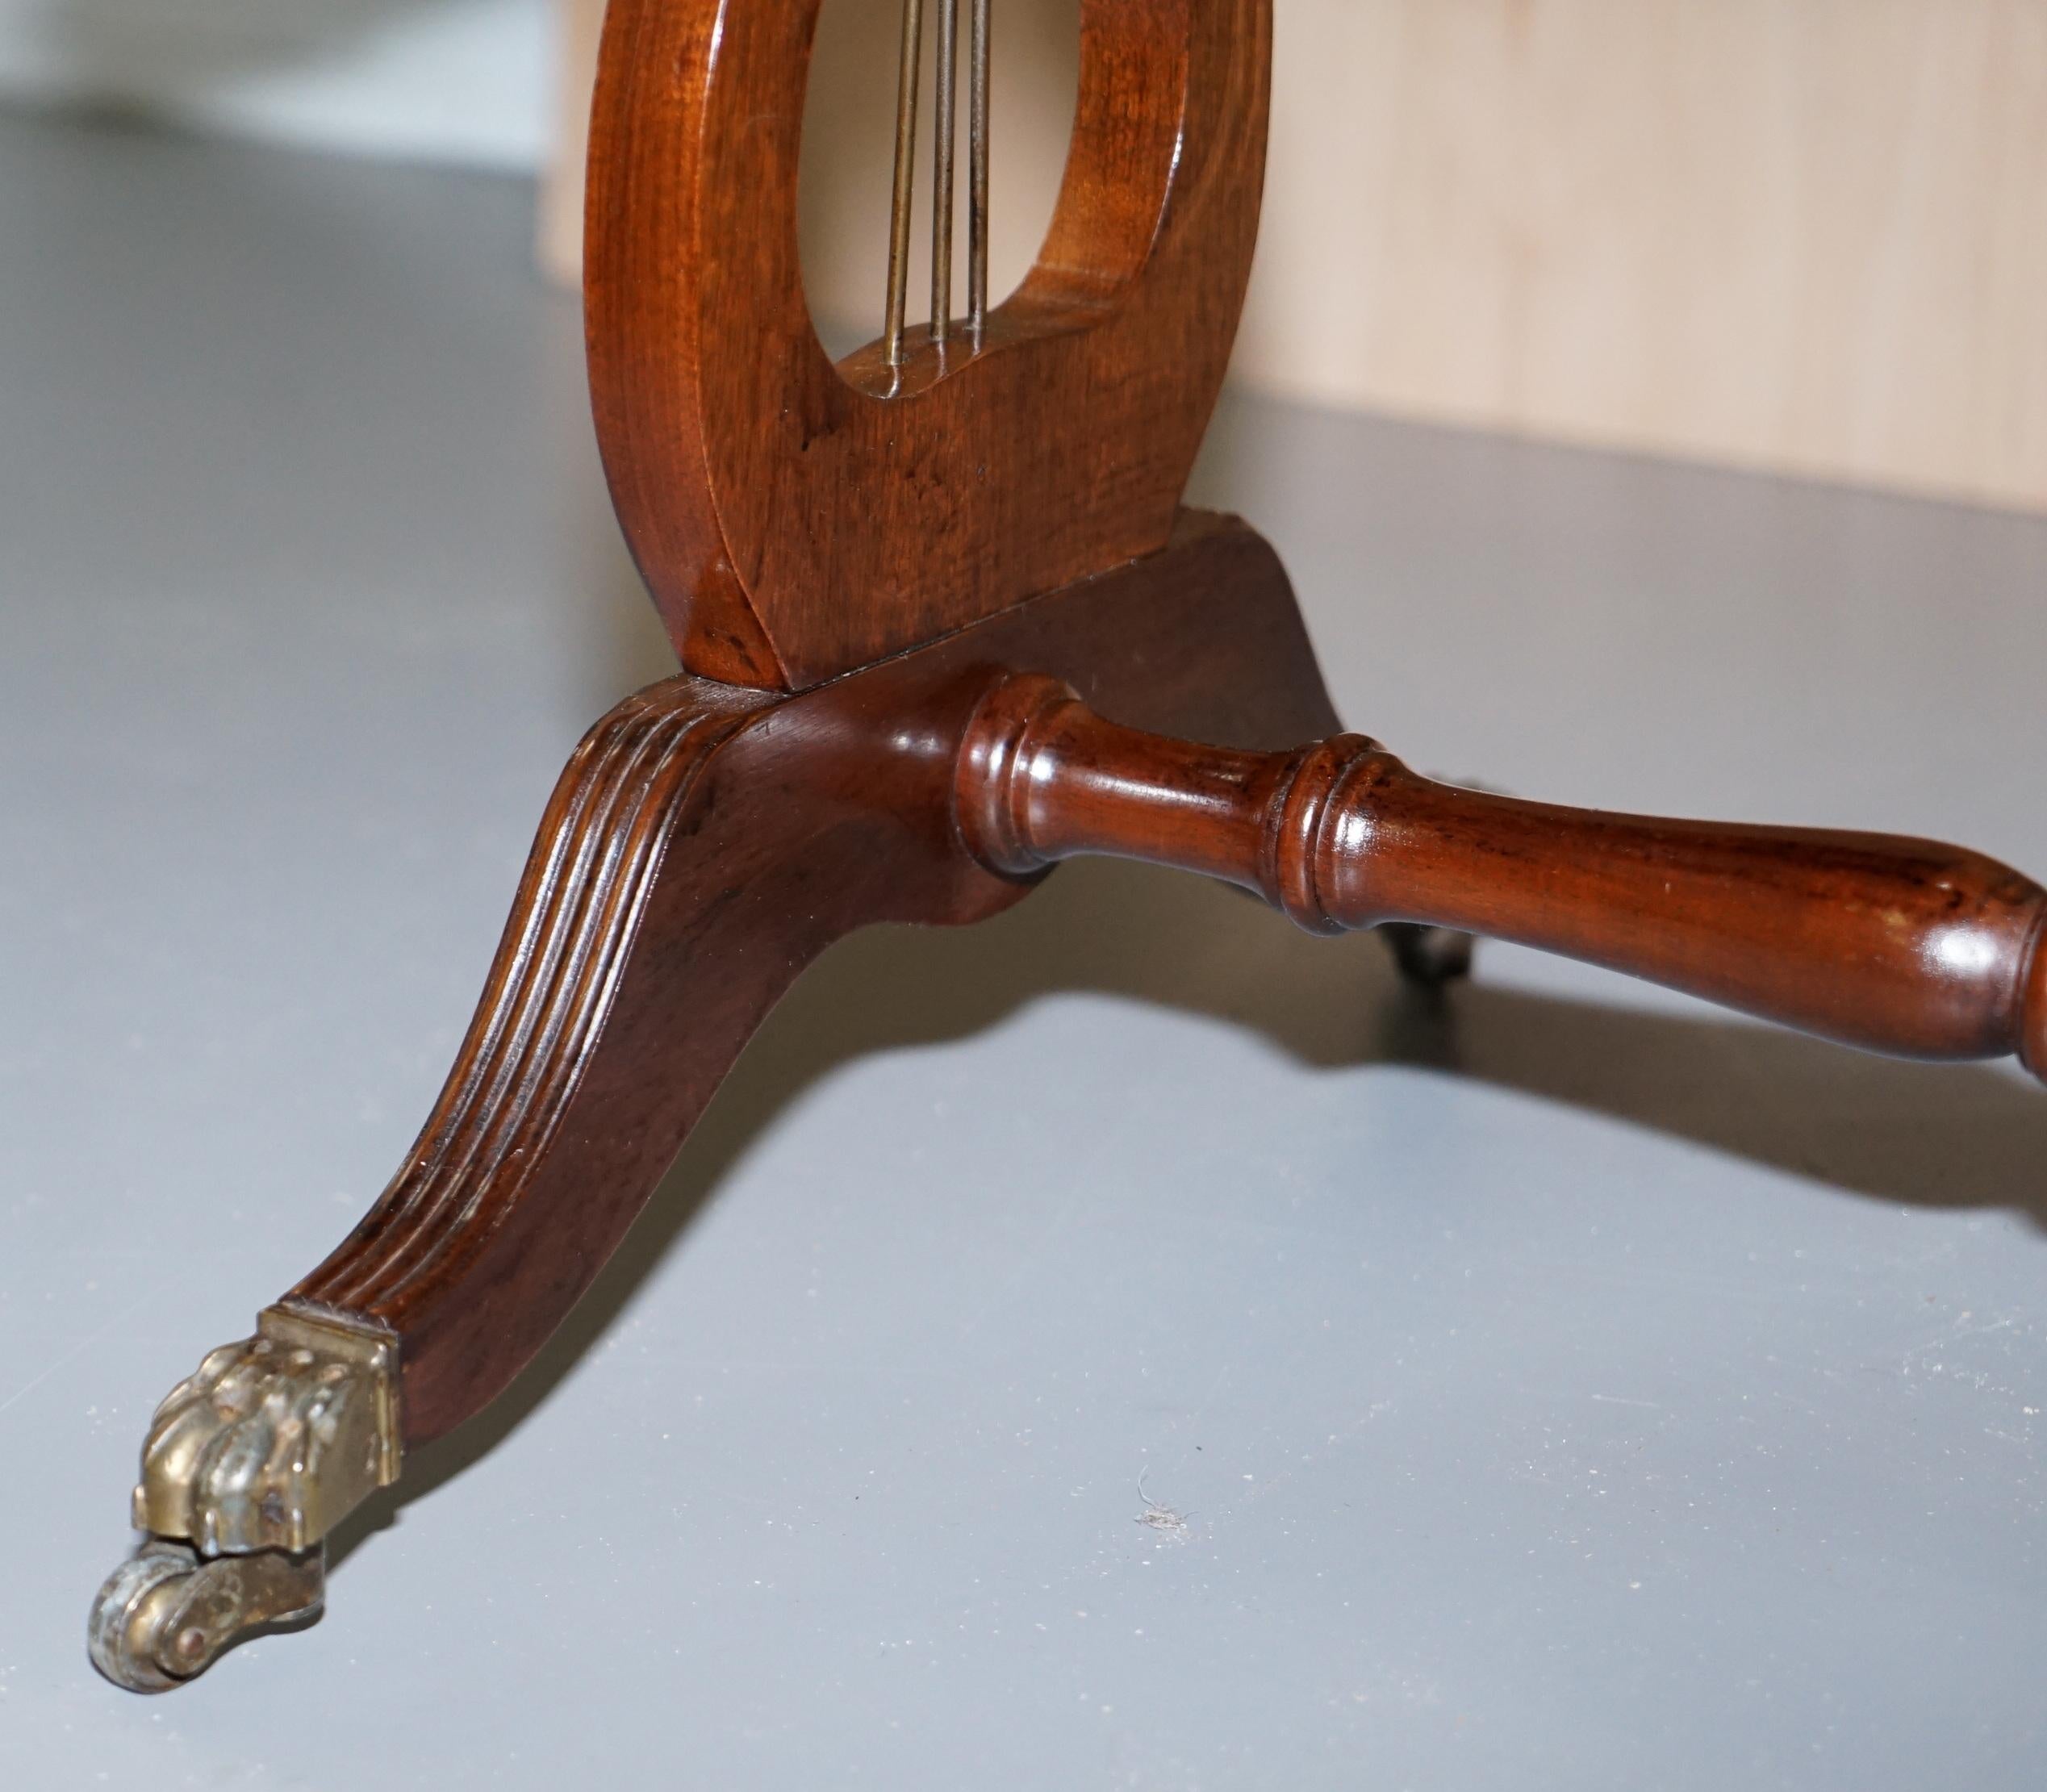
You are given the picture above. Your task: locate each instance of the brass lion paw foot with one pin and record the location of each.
(249, 1464)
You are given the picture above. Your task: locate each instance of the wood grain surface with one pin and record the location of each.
(1808, 236)
(794, 519)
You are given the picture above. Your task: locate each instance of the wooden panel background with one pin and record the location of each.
(1809, 236)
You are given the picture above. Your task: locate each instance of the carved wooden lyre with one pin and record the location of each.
(942, 622)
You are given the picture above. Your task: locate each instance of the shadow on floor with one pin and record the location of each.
(1947, 1137)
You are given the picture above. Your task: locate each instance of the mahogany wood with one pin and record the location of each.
(918, 588)
(794, 520)
(703, 845)
(1897, 946)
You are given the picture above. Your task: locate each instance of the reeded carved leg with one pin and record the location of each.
(705, 844)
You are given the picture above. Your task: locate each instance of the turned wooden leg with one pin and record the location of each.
(1904, 946)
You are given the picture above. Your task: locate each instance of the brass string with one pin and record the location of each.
(899, 214)
(941, 172)
(977, 51)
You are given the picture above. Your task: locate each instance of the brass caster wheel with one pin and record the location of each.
(248, 1463)
(166, 1613)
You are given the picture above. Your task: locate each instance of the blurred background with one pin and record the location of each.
(1805, 236)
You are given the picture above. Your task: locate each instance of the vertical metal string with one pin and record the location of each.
(941, 172)
(899, 212)
(977, 170)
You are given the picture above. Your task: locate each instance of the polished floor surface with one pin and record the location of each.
(1570, 1388)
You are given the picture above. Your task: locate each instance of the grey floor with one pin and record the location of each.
(1575, 1388)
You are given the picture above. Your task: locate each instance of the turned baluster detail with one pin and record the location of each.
(1905, 946)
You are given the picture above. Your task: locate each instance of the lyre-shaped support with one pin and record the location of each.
(795, 519)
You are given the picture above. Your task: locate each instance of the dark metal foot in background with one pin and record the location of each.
(1429, 957)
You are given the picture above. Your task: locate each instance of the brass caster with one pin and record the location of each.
(249, 1462)
(166, 1613)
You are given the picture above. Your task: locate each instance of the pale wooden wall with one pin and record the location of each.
(1805, 235)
